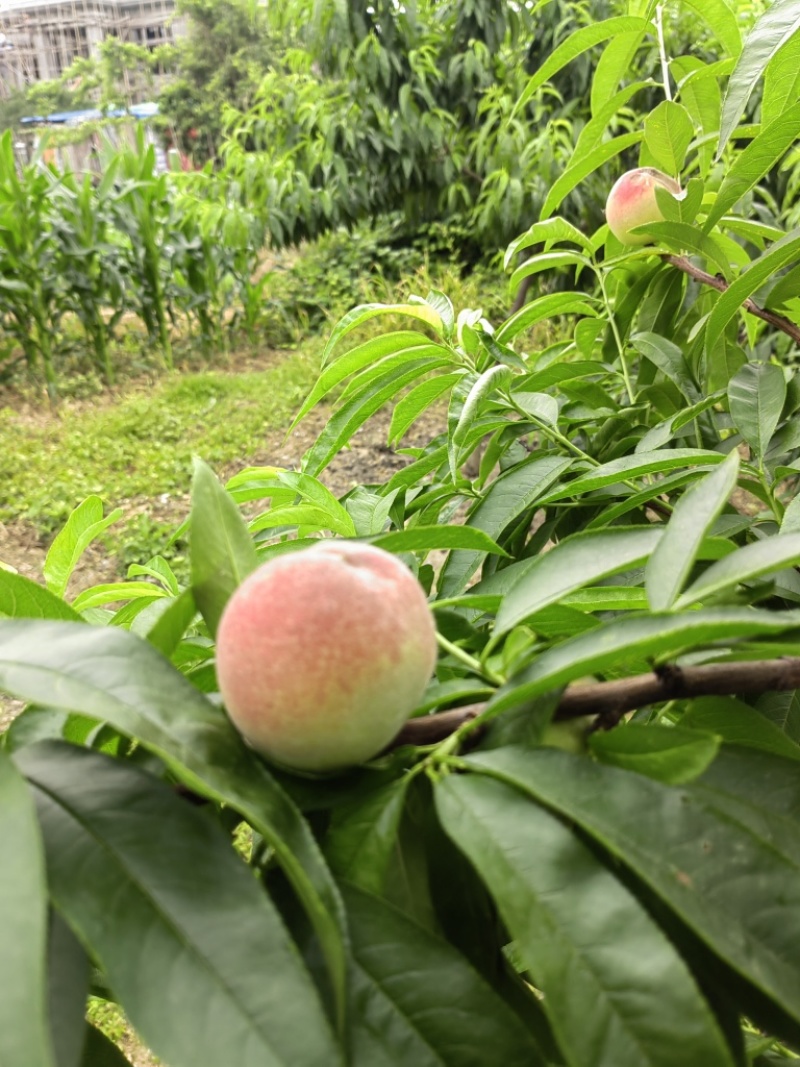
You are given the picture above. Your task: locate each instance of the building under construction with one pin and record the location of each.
(39, 39)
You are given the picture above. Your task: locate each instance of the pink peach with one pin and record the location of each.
(324, 653)
(632, 202)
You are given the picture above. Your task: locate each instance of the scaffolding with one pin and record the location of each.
(40, 39)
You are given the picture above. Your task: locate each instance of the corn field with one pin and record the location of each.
(104, 252)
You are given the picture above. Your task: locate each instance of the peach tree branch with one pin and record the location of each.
(611, 700)
(778, 321)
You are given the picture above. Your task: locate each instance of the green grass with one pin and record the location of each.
(142, 444)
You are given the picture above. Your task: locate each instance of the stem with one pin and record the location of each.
(552, 432)
(469, 661)
(617, 338)
(662, 51)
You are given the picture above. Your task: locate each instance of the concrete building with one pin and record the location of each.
(39, 39)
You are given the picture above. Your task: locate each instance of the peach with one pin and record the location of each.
(632, 202)
(323, 654)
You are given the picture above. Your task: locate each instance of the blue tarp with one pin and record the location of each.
(75, 118)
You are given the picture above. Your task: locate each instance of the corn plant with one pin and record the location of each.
(87, 255)
(144, 213)
(200, 263)
(31, 291)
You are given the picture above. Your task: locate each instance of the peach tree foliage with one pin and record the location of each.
(518, 887)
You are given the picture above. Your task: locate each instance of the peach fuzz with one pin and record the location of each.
(632, 202)
(323, 654)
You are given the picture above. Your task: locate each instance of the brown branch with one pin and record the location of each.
(778, 321)
(613, 699)
(472, 175)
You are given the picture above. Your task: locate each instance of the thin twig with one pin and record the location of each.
(618, 697)
(662, 50)
(778, 321)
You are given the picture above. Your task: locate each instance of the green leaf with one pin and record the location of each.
(408, 409)
(780, 254)
(443, 306)
(636, 637)
(68, 973)
(744, 565)
(310, 489)
(663, 432)
(168, 630)
(781, 81)
(543, 308)
(699, 92)
(668, 131)
(592, 133)
(669, 359)
(427, 538)
(24, 1036)
(355, 412)
(84, 524)
(636, 1005)
(683, 237)
(112, 592)
(721, 20)
(782, 709)
(576, 44)
(558, 373)
(490, 381)
(358, 316)
(789, 524)
(667, 753)
(222, 551)
(614, 64)
(691, 520)
(586, 557)
(586, 165)
(738, 724)
(546, 261)
(754, 161)
(126, 897)
(111, 675)
(763, 782)
(756, 395)
(364, 355)
(421, 1002)
(363, 835)
(20, 598)
(370, 511)
(504, 500)
(159, 569)
(773, 29)
(549, 231)
(720, 879)
(619, 470)
(307, 515)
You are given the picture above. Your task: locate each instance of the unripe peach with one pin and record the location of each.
(323, 654)
(632, 202)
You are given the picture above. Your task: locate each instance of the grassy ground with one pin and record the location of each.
(137, 444)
